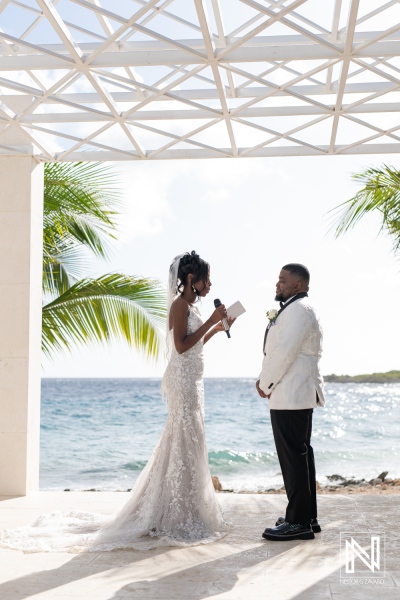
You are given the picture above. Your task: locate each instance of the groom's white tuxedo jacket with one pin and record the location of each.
(293, 348)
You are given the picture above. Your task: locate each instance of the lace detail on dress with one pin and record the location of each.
(173, 502)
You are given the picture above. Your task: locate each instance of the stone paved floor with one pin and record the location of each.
(242, 566)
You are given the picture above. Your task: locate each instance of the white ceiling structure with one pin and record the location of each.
(166, 79)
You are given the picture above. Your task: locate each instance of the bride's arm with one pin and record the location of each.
(182, 340)
(209, 335)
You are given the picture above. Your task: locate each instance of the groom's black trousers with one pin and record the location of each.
(292, 433)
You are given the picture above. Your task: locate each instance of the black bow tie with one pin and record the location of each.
(281, 304)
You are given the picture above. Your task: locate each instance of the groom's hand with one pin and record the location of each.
(259, 390)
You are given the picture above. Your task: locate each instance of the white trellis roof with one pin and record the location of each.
(164, 79)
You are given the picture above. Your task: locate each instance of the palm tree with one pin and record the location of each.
(380, 192)
(80, 208)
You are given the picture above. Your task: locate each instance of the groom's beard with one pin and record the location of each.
(280, 298)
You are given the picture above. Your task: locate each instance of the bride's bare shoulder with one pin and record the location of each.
(179, 307)
(179, 304)
(178, 313)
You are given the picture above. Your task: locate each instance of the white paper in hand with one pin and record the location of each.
(236, 310)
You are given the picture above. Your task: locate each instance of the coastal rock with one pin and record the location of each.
(336, 478)
(348, 482)
(216, 483)
(376, 481)
(380, 479)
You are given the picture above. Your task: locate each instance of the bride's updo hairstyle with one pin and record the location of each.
(191, 263)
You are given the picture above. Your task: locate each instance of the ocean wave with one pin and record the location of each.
(227, 457)
(137, 465)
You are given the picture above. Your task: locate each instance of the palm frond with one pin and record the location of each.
(380, 192)
(82, 187)
(62, 268)
(81, 229)
(110, 307)
(80, 206)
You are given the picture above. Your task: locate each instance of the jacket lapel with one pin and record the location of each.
(296, 297)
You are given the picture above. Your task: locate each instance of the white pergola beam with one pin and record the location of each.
(84, 99)
(47, 58)
(351, 24)
(236, 43)
(179, 154)
(210, 49)
(373, 13)
(310, 92)
(176, 115)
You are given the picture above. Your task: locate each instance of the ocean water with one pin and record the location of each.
(99, 433)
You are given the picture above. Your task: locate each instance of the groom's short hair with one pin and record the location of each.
(299, 270)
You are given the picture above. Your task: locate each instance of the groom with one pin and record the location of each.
(291, 380)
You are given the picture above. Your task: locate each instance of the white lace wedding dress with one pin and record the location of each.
(173, 502)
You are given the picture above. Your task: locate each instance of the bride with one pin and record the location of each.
(173, 502)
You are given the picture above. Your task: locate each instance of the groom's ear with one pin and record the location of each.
(298, 286)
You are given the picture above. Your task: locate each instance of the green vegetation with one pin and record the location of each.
(80, 210)
(389, 377)
(381, 192)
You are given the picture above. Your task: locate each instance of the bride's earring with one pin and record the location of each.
(194, 289)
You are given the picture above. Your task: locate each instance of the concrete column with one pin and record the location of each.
(21, 240)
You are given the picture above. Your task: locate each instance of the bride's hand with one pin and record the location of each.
(220, 327)
(218, 314)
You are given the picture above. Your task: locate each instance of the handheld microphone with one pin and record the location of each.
(217, 302)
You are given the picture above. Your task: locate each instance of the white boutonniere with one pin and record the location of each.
(272, 315)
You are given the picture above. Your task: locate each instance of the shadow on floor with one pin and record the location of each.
(251, 574)
(194, 583)
(79, 567)
(288, 571)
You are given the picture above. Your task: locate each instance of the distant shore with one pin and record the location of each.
(389, 377)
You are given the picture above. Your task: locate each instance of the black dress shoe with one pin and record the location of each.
(289, 531)
(315, 526)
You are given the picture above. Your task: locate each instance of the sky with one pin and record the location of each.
(248, 218)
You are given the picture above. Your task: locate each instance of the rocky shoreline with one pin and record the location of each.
(340, 485)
